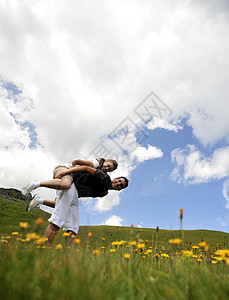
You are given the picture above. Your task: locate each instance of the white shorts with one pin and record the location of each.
(66, 212)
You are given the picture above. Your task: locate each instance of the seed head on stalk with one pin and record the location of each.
(181, 224)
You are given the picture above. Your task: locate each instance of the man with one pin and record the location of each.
(87, 182)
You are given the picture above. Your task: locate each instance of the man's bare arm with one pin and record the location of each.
(86, 169)
(79, 161)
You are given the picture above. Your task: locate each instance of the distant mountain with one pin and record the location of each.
(14, 193)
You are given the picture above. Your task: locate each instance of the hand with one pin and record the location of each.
(59, 176)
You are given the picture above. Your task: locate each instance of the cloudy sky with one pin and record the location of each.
(144, 82)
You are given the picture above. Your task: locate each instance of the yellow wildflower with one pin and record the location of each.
(214, 262)
(66, 234)
(141, 246)
(122, 242)
(132, 225)
(195, 247)
(39, 221)
(76, 241)
(165, 255)
(112, 250)
(149, 251)
(202, 244)
(127, 256)
(41, 247)
(116, 244)
(103, 239)
(220, 258)
(187, 253)
(95, 252)
(15, 233)
(59, 247)
(175, 241)
(23, 225)
(32, 236)
(133, 243)
(89, 234)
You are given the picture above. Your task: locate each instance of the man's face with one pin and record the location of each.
(118, 184)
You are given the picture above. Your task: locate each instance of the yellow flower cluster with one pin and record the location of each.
(42, 240)
(222, 255)
(187, 253)
(175, 241)
(126, 249)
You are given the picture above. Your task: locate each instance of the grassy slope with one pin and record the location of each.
(13, 211)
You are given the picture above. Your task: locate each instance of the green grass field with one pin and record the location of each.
(106, 262)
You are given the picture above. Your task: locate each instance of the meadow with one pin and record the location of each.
(106, 262)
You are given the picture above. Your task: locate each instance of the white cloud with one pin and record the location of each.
(225, 192)
(108, 202)
(142, 153)
(191, 166)
(164, 124)
(82, 69)
(114, 221)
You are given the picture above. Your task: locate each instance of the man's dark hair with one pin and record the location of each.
(126, 180)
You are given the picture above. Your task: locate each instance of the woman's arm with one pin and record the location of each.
(86, 169)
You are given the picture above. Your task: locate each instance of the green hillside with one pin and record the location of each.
(13, 210)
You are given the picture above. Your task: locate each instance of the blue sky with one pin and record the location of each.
(145, 82)
(153, 199)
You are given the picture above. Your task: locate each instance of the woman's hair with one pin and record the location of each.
(102, 160)
(114, 162)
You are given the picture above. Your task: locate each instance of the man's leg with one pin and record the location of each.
(72, 222)
(60, 214)
(51, 232)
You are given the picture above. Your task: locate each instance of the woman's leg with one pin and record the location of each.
(57, 184)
